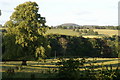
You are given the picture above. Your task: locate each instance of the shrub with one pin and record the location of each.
(70, 69)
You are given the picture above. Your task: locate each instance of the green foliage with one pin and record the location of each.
(73, 29)
(89, 27)
(71, 46)
(56, 47)
(85, 31)
(77, 30)
(70, 69)
(63, 42)
(101, 48)
(40, 51)
(114, 43)
(96, 33)
(79, 46)
(28, 28)
(10, 49)
(89, 32)
(10, 72)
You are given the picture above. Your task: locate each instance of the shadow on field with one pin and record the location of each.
(100, 66)
(20, 75)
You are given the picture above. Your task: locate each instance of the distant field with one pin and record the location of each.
(63, 31)
(107, 31)
(70, 32)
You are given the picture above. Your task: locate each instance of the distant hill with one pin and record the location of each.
(68, 25)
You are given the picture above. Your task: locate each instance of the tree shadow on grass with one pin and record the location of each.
(100, 66)
(27, 75)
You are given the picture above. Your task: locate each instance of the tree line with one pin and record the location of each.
(66, 46)
(87, 27)
(86, 32)
(71, 46)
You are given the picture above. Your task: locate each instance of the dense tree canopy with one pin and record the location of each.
(71, 46)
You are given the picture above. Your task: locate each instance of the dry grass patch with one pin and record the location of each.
(107, 32)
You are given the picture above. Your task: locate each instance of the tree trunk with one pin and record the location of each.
(24, 63)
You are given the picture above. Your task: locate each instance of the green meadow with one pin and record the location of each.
(48, 68)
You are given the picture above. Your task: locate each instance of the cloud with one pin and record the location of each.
(83, 13)
(101, 12)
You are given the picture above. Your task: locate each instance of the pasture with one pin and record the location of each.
(102, 32)
(48, 67)
(63, 32)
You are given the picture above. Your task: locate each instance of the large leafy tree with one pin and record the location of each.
(28, 28)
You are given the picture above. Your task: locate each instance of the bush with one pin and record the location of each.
(70, 69)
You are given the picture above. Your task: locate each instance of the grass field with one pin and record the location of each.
(50, 65)
(70, 32)
(63, 32)
(107, 31)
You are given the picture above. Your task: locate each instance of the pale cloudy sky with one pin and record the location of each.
(82, 12)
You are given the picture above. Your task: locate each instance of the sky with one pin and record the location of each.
(81, 12)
